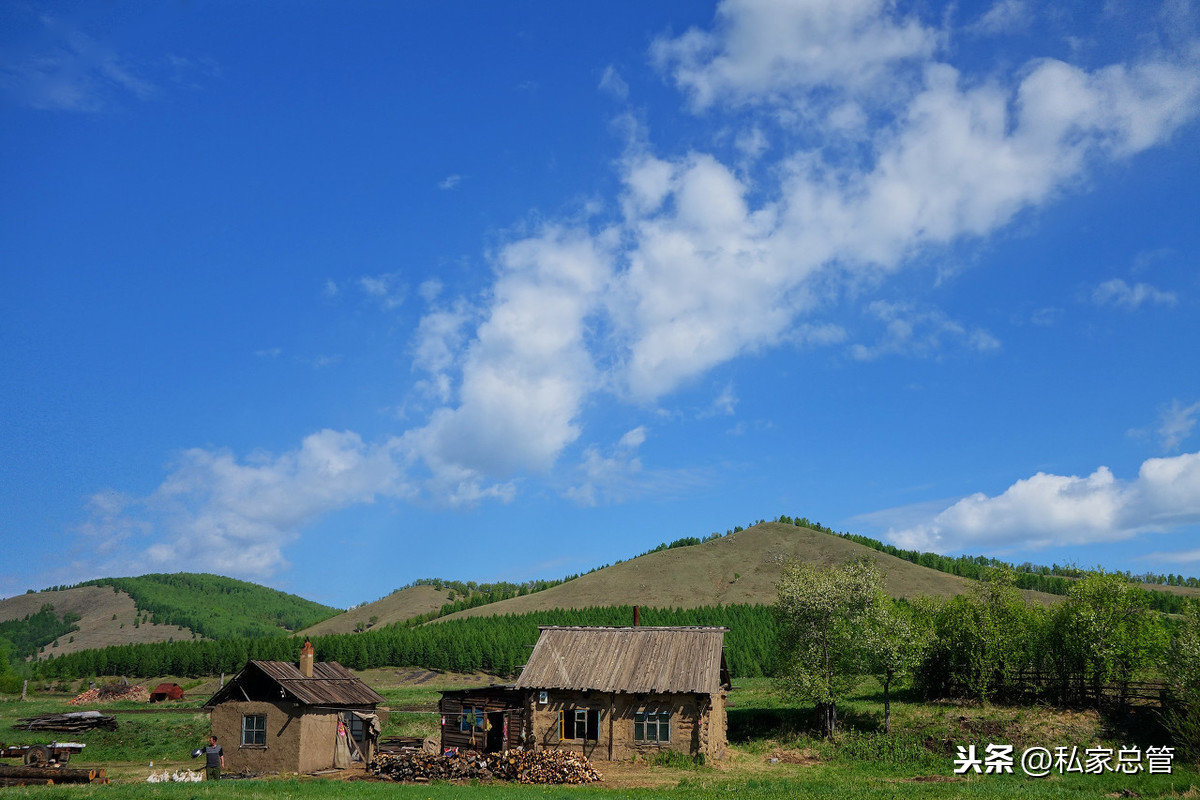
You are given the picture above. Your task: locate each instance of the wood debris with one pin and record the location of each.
(110, 692)
(531, 767)
(73, 721)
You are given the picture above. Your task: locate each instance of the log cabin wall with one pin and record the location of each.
(502, 726)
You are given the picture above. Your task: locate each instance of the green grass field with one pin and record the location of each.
(773, 753)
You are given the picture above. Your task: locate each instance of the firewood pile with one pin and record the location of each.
(540, 767)
(74, 721)
(110, 692)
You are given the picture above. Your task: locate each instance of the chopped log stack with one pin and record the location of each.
(540, 767)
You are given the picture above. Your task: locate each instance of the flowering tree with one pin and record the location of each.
(895, 642)
(822, 614)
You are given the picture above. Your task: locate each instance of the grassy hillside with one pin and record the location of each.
(218, 607)
(742, 567)
(106, 618)
(396, 607)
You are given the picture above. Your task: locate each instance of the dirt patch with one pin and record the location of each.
(802, 757)
(634, 775)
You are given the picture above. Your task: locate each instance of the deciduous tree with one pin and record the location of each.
(822, 613)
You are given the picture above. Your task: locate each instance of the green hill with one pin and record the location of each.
(217, 607)
(105, 618)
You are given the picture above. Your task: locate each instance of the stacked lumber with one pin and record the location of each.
(395, 744)
(540, 767)
(73, 721)
(23, 776)
(115, 691)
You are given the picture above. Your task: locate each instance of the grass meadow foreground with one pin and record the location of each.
(773, 752)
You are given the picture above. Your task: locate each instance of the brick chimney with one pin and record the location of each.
(306, 659)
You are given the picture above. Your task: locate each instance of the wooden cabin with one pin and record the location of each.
(620, 693)
(488, 719)
(277, 716)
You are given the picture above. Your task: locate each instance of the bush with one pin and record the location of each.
(675, 759)
(1181, 718)
(896, 749)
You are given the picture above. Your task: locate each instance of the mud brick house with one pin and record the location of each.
(276, 716)
(616, 693)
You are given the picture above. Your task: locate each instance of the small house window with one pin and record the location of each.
(254, 730)
(354, 725)
(472, 716)
(579, 723)
(652, 726)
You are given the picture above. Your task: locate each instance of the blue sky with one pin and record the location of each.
(332, 297)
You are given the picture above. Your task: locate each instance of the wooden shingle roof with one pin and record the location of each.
(633, 660)
(331, 685)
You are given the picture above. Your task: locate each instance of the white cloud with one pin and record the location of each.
(1117, 292)
(217, 513)
(1178, 557)
(615, 474)
(528, 368)
(1005, 16)
(73, 72)
(324, 361)
(430, 289)
(387, 288)
(438, 347)
(611, 477)
(725, 403)
(915, 332)
(765, 49)
(1046, 317)
(709, 262)
(612, 82)
(1176, 423)
(1059, 510)
(752, 142)
(450, 182)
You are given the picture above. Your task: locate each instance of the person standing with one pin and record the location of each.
(214, 760)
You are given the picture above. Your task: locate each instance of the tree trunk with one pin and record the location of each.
(827, 716)
(887, 705)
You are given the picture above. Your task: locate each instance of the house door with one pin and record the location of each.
(495, 733)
